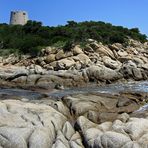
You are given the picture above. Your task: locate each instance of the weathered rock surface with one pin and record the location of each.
(78, 121)
(114, 134)
(102, 108)
(102, 73)
(31, 125)
(94, 63)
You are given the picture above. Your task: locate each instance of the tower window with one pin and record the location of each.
(24, 13)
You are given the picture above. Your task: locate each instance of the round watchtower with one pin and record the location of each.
(18, 18)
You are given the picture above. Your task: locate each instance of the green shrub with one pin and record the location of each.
(68, 45)
(27, 38)
(59, 44)
(7, 52)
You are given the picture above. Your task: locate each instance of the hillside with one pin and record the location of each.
(31, 37)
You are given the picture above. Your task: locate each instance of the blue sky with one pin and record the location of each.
(128, 13)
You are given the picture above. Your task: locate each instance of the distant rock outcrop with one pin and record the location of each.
(93, 63)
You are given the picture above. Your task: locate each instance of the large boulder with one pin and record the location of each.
(136, 127)
(116, 46)
(20, 80)
(38, 69)
(35, 69)
(28, 123)
(135, 43)
(77, 50)
(114, 140)
(102, 73)
(122, 53)
(129, 70)
(102, 50)
(48, 50)
(11, 59)
(84, 59)
(108, 62)
(65, 64)
(50, 58)
(62, 54)
(137, 74)
(127, 134)
(138, 61)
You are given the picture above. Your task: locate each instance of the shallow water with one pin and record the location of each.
(19, 93)
(109, 89)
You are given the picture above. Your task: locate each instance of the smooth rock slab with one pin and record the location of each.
(30, 125)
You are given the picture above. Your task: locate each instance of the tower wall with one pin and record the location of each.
(18, 18)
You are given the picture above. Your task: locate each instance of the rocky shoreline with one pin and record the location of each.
(95, 63)
(77, 121)
(87, 120)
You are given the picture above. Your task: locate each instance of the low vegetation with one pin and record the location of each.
(31, 37)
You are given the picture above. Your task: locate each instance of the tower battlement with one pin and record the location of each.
(18, 17)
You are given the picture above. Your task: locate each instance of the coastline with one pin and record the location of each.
(81, 104)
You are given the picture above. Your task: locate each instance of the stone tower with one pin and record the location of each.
(18, 18)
